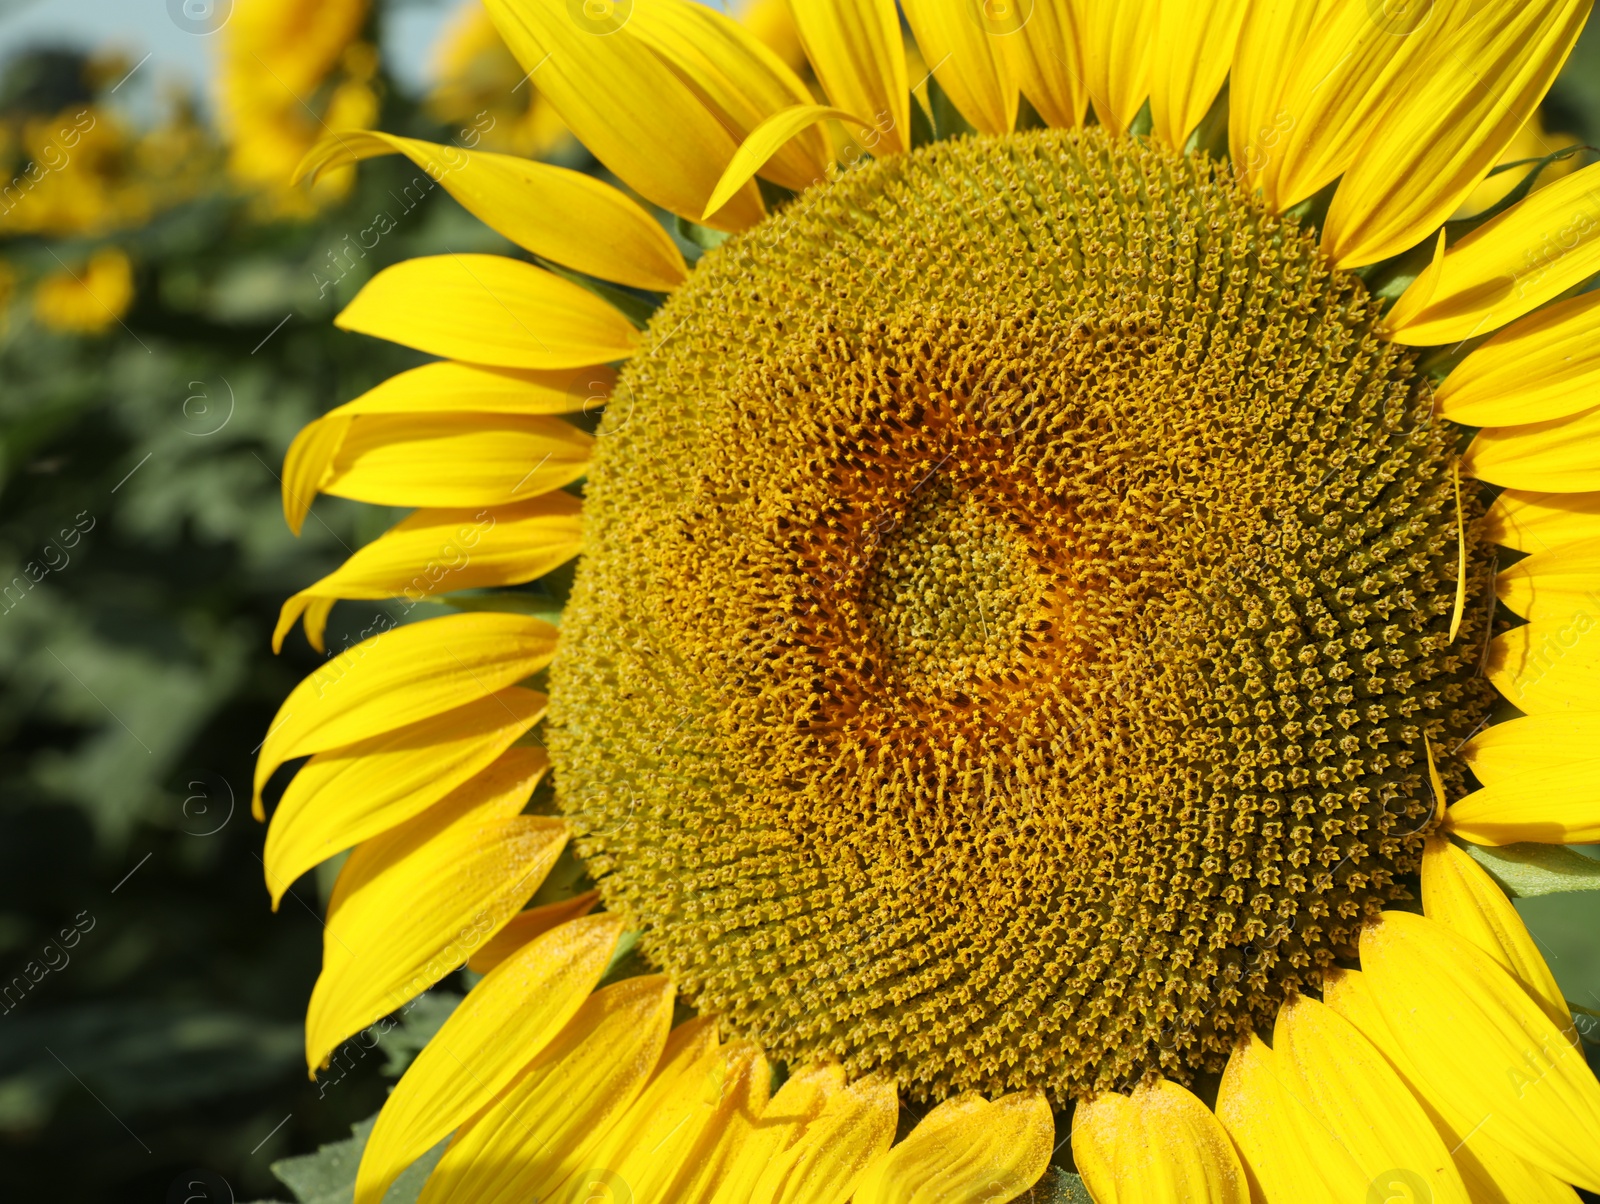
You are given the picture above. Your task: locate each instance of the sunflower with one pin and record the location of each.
(290, 72)
(1065, 610)
(87, 301)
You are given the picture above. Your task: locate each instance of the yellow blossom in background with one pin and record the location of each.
(85, 171)
(292, 72)
(89, 299)
(480, 88)
(8, 289)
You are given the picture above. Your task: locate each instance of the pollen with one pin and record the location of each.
(1012, 610)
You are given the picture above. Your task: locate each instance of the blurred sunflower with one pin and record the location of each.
(480, 87)
(88, 300)
(292, 73)
(85, 171)
(1033, 610)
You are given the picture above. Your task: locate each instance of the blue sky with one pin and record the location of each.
(143, 27)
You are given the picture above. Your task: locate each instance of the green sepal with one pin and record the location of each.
(1028, 117)
(627, 961)
(921, 126)
(1210, 137)
(635, 308)
(774, 196)
(1463, 226)
(506, 602)
(947, 119)
(1143, 123)
(703, 237)
(1586, 1021)
(1526, 871)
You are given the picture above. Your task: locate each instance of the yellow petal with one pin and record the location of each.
(442, 388)
(472, 858)
(1117, 40)
(1557, 456)
(1545, 366)
(450, 388)
(488, 309)
(305, 466)
(1286, 1150)
(1492, 1174)
(858, 54)
(800, 1101)
(1327, 1065)
(1555, 584)
(1506, 752)
(401, 676)
(525, 926)
(1265, 60)
(855, 1128)
(1540, 775)
(1160, 1145)
(1548, 665)
(740, 80)
(565, 216)
(501, 1026)
(627, 105)
(660, 1146)
(765, 140)
(453, 460)
(961, 40)
(438, 551)
(1356, 59)
(1457, 893)
(1193, 51)
(1537, 522)
(1045, 62)
(966, 1149)
(728, 1130)
(688, 1055)
(1445, 129)
(546, 1124)
(1481, 1049)
(342, 797)
(1511, 265)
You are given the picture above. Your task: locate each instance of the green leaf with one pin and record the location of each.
(329, 1175)
(1057, 1187)
(419, 1021)
(1528, 870)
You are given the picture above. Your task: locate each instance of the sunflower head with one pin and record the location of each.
(1087, 615)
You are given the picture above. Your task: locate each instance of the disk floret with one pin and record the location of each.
(1012, 611)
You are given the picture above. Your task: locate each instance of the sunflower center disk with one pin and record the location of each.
(1011, 615)
(954, 597)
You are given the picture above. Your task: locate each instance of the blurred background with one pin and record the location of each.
(165, 328)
